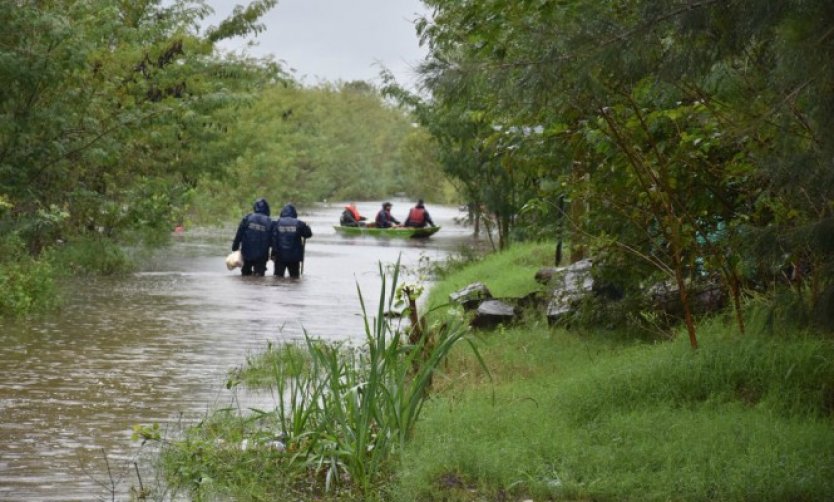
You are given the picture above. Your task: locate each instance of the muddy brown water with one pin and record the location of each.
(155, 347)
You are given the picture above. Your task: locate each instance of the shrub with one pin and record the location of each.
(26, 282)
(92, 255)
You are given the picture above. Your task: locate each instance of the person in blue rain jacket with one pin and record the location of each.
(384, 219)
(253, 238)
(288, 238)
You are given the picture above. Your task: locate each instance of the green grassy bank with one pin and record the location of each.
(590, 415)
(544, 413)
(572, 418)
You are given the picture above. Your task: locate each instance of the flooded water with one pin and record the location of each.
(155, 347)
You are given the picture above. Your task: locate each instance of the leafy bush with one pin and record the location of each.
(26, 282)
(92, 255)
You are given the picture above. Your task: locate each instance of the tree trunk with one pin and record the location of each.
(560, 231)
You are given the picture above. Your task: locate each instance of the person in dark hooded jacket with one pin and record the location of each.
(253, 238)
(384, 219)
(288, 233)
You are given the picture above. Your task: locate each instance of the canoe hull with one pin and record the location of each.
(397, 233)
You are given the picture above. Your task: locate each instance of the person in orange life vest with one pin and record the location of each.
(351, 217)
(384, 218)
(418, 216)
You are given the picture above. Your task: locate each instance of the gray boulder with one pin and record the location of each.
(570, 284)
(493, 312)
(705, 297)
(471, 296)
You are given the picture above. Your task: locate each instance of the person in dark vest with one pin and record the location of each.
(418, 216)
(384, 218)
(253, 238)
(288, 236)
(351, 217)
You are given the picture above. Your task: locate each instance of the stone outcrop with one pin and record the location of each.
(493, 312)
(570, 284)
(703, 298)
(471, 296)
(567, 286)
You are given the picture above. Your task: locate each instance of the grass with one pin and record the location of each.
(259, 370)
(507, 274)
(592, 415)
(589, 420)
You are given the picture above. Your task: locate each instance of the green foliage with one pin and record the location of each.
(688, 141)
(91, 255)
(110, 113)
(27, 283)
(330, 142)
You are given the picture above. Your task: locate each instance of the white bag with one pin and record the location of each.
(234, 260)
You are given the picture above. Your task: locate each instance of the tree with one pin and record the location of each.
(330, 142)
(682, 132)
(110, 112)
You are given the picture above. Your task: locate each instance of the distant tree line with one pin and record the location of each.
(332, 142)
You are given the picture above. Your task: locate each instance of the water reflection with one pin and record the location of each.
(155, 347)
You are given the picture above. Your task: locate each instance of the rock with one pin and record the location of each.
(471, 296)
(493, 312)
(704, 298)
(570, 284)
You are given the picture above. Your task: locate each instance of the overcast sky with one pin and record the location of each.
(336, 39)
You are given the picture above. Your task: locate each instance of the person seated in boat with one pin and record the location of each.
(351, 217)
(384, 219)
(418, 217)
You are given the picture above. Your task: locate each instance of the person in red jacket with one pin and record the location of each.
(418, 216)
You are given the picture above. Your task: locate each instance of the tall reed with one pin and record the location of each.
(351, 409)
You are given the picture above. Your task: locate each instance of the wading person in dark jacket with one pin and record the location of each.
(384, 218)
(288, 233)
(253, 238)
(418, 216)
